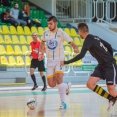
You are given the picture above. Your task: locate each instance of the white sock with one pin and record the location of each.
(62, 91)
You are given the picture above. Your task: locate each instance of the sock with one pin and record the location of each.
(62, 91)
(34, 79)
(100, 91)
(44, 80)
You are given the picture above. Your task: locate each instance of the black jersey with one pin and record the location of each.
(99, 49)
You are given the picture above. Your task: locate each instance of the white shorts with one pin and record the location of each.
(53, 67)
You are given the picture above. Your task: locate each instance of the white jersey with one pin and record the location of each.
(54, 44)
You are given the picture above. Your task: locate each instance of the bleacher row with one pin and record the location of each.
(14, 42)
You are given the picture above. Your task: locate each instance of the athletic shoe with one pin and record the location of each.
(68, 90)
(34, 87)
(44, 88)
(63, 106)
(111, 103)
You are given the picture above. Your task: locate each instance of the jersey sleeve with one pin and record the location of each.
(43, 37)
(66, 37)
(86, 46)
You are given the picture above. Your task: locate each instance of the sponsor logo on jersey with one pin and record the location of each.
(52, 44)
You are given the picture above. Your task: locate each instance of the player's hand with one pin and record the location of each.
(62, 63)
(41, 56)
(76, 50)
(36, 51)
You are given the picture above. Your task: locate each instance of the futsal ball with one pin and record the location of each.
(32, 103)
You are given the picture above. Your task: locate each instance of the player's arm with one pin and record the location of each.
(108, 46)
(86, 46)
(42, 47)
(68, 39)
(74, 46)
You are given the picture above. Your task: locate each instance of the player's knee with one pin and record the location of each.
(90, 85)
(41, 74)
(51, 85)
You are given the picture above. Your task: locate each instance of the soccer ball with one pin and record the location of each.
(32, 103)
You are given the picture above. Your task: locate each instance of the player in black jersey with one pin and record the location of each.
(106, 68)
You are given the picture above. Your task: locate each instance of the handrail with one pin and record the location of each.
(114, 9)
(107, 23)
(27, 52)
(75, 72)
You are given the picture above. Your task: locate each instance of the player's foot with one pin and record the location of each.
(111, 103)
(63, 106)
(44, 88)
(68, 90)
(35, 86)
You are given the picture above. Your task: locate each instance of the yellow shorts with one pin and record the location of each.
(53, 67)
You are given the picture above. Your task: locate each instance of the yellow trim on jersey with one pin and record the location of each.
(59, 72)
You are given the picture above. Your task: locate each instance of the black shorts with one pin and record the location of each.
(107, 72)
(36, 63)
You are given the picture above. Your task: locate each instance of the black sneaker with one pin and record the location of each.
(111, 103)
(44, 88)
(34, 87)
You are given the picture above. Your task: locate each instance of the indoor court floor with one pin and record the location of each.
(80, 103)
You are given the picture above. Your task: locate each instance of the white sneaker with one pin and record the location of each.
(63, 106)
(111, 103)
(68, 90)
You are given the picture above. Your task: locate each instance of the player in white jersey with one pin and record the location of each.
(54, 39)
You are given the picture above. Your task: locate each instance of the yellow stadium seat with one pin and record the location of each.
(15, 39)
(40, 31)
(115, 58)
(46, 28)
(79, 48)
(5, 29)
(82, 41)
(1, 40)
(77, 41)
(67, 31)
(9, 50)
(27, 30)
(73, 32)
(24, 49)
(3, 61)
(7, 39)
(60, 28)
(19, 61)
(11, 61)
(13, 30)
(68, 49)
(34, 29)
(2, 50)
(29, 39)
(65, 43)
(22, 39)
(17, 50)
(20, 30)
(28, 61)
(78, 63)
(1, 31)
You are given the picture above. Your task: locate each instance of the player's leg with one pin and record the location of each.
(62, 87)
(41, 69)
(92, 85)
(111, 81)
(32, 69)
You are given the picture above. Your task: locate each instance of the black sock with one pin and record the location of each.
(44, 80)
(100, 91)
(34, 79)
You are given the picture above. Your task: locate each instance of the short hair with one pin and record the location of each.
(83, 27)
(8, 10)
(15, 3)
(53, 18)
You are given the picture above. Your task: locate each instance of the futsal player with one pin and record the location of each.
(54, 39)
(106, 68)
(35, 63)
